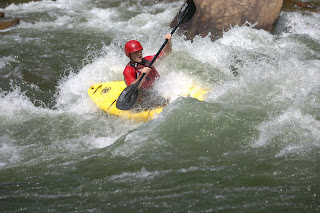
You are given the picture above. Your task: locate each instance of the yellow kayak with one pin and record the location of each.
(105, 95)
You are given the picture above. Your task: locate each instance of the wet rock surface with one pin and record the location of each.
(217, 16)
(294, 5)
(9, 23)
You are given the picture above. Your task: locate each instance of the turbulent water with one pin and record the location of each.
(253, 145)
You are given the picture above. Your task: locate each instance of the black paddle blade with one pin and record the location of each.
(186, 12)
(127, 98)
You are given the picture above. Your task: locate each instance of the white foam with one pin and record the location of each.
(292, 130)
(16, 105)
(103, 142)
(302, 148)
(85, 142)
(9, 153)
(299, 23)
(72, 90)
(140, 175)
(4, 61)
(47, 5)
(168, 86)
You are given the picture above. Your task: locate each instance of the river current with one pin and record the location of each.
(253, 145)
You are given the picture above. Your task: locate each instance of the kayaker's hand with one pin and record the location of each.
(168, 48)
(168, 36)
(146, 70)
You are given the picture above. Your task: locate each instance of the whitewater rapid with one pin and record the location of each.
(253, 143)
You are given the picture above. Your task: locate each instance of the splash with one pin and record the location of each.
(294, 131)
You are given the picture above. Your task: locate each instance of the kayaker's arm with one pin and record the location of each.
(168, 48)
(145, 70)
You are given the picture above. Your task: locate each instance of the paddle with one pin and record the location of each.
(130, 94)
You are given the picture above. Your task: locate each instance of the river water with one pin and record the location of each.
(253, 145)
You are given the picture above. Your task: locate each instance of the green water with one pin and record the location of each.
(253, 145)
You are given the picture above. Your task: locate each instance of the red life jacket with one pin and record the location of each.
(133, 71)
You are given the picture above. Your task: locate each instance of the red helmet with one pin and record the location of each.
(132, 46)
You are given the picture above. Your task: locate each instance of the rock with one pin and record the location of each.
(1, 14)
(302, 4)
(11, 23)
(216, 16)
(294, 5)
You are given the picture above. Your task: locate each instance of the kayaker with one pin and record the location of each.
(138, 65)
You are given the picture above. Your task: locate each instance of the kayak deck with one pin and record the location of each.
(105, 95)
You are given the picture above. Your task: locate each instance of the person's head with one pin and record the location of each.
(133, 50)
